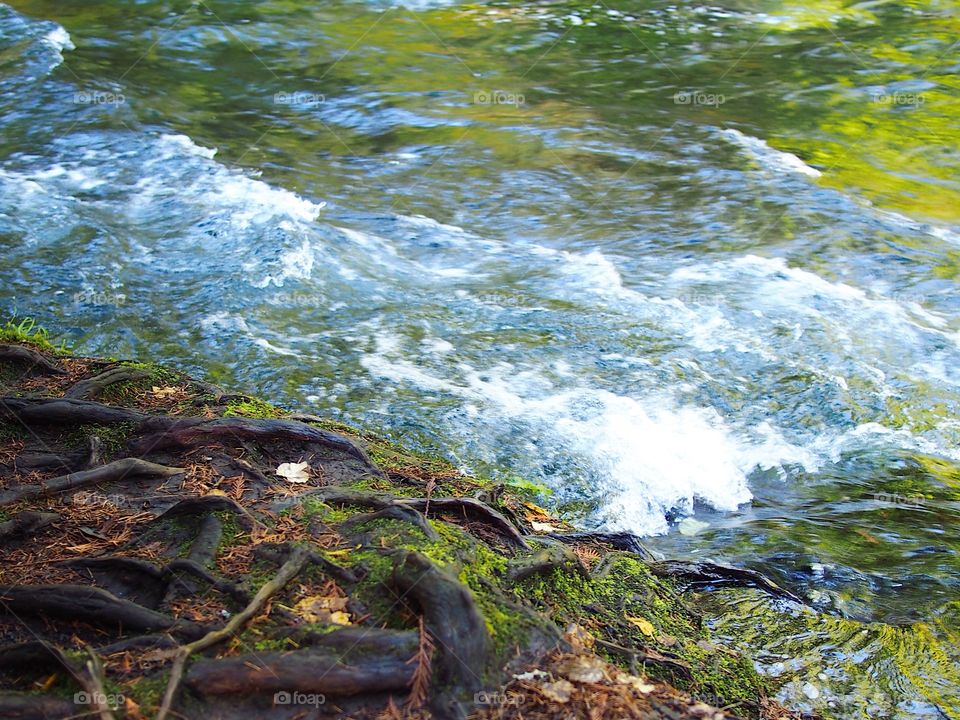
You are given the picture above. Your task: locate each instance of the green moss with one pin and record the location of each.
(616, 607)
(113, 438)
(253, 408)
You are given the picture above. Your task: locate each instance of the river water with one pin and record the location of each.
(691, 268)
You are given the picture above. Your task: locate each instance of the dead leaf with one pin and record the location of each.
(319, 609)
(543, 527)
(635, 682)
(161, 392)
(583, 669)
(646, 627)
(294, 472)
(559, 691)
(866, 536)
(578, 636)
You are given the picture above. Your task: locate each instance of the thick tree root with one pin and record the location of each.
(59, 411)
(350, 640)
(117, 470)
(26, 523)
(128, 578)
(302, 671)
(92, 605)
(700, 574)
(625, 541)
(94, 387)
(15, 706)
(453, 620)
(165, 432)
(206, 504)
(38, 363)
(472, 509)
(394, 512)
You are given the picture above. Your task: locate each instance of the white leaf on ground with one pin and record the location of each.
(294, 472)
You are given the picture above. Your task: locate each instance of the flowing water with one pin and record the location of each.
(691, 268)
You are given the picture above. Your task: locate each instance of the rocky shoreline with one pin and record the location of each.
(172, 550)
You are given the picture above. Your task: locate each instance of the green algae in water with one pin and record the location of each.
(843, 668)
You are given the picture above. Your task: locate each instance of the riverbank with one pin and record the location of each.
(170, 549)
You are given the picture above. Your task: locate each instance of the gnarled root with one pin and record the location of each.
(452, 619)
(471, 509)
(89, 604)
(167, 432)
(702, 573)
(117, 470)
(38, 363)
(302, 671)
(46, 411)
(93, 387)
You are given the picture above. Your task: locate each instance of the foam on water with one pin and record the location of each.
(770, 158)
(643, 456)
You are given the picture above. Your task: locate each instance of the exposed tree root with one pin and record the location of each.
(64, 411)
(141, 642)
(701, 573)
(280, 554)
(128, 578)
(15, 706)
(471, 508)
(552, 557)
(395, 512)
(637, 655)
(298, 559)
(454, 622)
(94, 387)
(302, 671)
(167, 432)
(192, 568)
(203, 551)
(206, 504)
(39, 364)
(89, 604)
(353, 640)
(117, 470)
(625, 541)
(26, 523)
